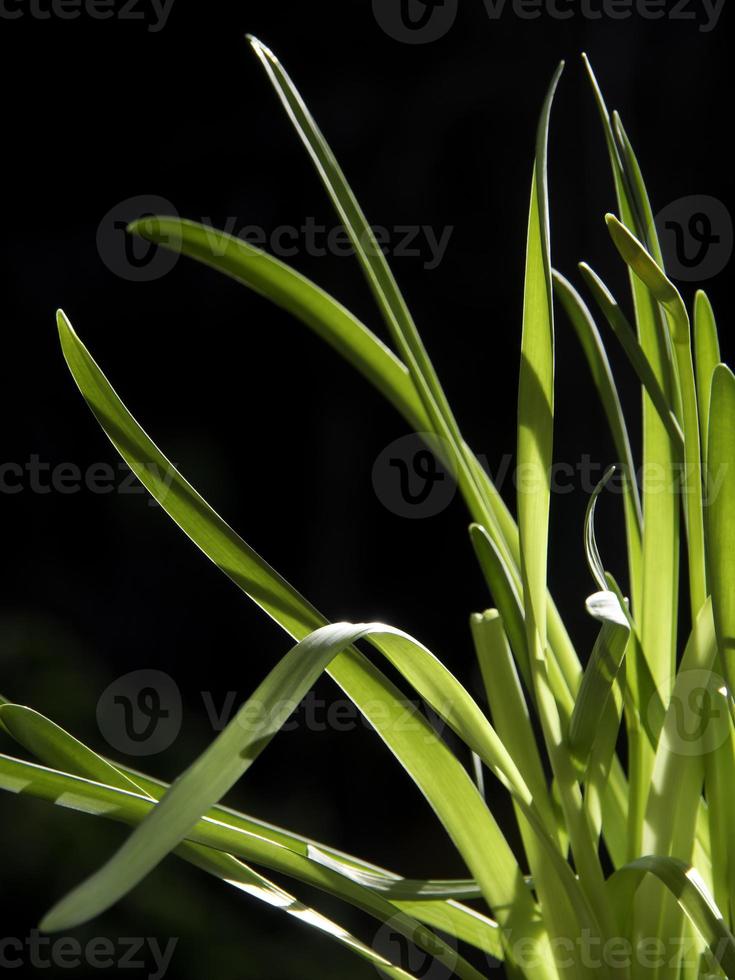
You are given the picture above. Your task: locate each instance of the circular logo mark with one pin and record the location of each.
(410, 481)
(697, 721)
(696, 237)
(415, 21)
(130, 256)
(140, 713)
(391, 943)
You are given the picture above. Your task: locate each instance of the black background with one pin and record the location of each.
(266, 421)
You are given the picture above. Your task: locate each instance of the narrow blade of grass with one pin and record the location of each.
(658, 594)
(210, 777)
(592, 718)
(634, 352)
(721, 515)
(504, 593)
(599, 677)
(672, 810)
(706, 359)
(90, 797)
(384, 287)
(57, 749)
(511, 718)
(664, 292)
(400, 888)
(535, 446)
(508, 706)
(360, 347)
(453, 797)
(599, 365)
(242, 741)
(719, 767)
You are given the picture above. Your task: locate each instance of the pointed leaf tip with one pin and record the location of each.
(63, 322)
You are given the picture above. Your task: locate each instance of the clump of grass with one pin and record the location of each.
(615, 857)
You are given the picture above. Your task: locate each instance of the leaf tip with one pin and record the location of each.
(262, 50)
(626, 243)
(702, 302)
(722, 375)
(63, 322)
(50, 922)
(147, 228)
(488, 616)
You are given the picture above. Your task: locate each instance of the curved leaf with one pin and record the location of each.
(296, 294)
(209, 838)
(664, 291)
(685, 884)
(56, 748)
(453, 796)
(594, 350)
(234, 750)
(634, 352)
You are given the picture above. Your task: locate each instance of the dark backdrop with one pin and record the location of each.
(276, 432)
